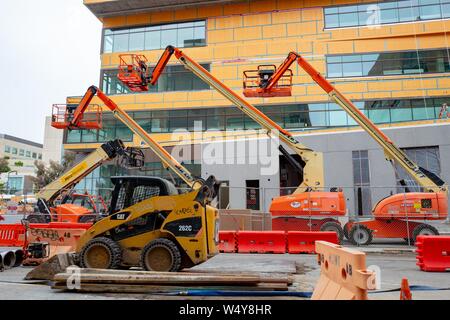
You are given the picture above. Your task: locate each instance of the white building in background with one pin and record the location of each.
(53, 143)
(21, 155)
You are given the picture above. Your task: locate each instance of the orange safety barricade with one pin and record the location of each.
(343, 274)
(261, 241)
(305, 241)
(12, 235)
(433, 253)
(227, 241)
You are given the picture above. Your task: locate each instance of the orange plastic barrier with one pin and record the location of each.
(343, 274)
(12, 235)
(305, 241)
(227, 241)
(261, 241)
(433, 253)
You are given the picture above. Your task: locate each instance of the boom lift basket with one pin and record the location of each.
(62, 116)
(255, 82)
(133, 72)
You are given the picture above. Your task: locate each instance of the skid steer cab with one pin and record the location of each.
(152, 225)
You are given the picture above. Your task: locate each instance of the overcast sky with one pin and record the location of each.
(49, 49)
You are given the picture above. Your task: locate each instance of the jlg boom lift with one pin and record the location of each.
(389, 213)
(50, 211)
(150, 223)
(310, 197)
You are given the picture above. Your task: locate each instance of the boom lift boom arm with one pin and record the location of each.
(311, 170)
(121, 115)
(107, 151)
(426, 179)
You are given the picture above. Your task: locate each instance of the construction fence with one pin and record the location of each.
(358, 214)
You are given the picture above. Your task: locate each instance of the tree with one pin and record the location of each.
(4, 166)
(46, 174)
(18, 164)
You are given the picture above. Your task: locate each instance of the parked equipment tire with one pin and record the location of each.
(161, 255)
(36, 218)
(87, 218)
(346, 230)
(424, 229)
(360, 235)
(101, 253)
(333, 226)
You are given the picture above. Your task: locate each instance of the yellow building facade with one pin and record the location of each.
(391, 58)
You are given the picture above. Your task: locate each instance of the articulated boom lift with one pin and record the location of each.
(432, 204)
(150, 223)
(317, 203)
(64, 185)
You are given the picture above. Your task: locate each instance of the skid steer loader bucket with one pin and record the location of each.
(56, 264)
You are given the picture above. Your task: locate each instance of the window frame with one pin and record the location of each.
(148, 28)
(361, 61)
(335, 11)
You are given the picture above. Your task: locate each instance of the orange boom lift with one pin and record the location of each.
(389, 213)
(309, 199)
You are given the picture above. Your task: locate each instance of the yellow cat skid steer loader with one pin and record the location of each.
(152, 225)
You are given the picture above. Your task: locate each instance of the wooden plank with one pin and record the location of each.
(159, 279)
(263, 277)
(129, 288)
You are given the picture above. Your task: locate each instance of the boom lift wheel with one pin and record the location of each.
(335, 227)
(346, 230)
(360, 235)
(161, 255)
(101, 253)
(423, 230)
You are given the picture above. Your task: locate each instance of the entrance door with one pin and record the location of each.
(252, 194)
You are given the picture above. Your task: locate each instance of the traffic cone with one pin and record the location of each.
(405, 292)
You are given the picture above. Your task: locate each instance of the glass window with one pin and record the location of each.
(338, 118)
(108, 41)
(189, 34)
(88, 135)
(332, 21)
(7, 149)
(175, 78)
(34, 156)
(28, 154)
(389, 63)
(361, 181)
(353, 69)
(137, 40)
(14, 150)
(388, 12)
(348, 19)
(168, 37)
(380, 116)
(430, 12)
(334, 70)
(120, 42)
(152, 40)
(401, 114)
(21, 152)
(40, 156)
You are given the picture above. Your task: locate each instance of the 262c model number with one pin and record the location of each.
(184, 228)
